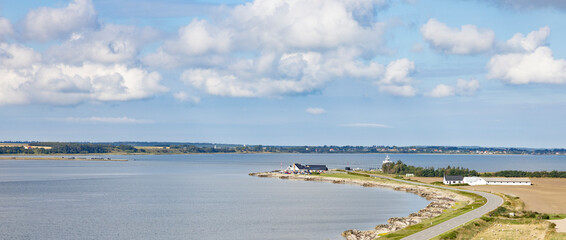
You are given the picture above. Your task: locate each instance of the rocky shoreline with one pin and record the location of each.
(440, 200)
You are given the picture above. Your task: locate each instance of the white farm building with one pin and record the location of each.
(448, 180)
(473, 181)
(507, 181)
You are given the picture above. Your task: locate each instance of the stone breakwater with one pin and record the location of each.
(440, 200)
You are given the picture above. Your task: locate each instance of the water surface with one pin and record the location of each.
(183, 197)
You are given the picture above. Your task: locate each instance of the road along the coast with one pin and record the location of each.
(493, 202)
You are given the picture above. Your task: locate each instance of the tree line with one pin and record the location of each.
(174, 147)
(401, 168)
(104, 148)
(536, 174)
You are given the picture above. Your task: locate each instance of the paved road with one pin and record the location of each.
(493, 201)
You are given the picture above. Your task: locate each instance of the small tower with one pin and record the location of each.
(387, 160)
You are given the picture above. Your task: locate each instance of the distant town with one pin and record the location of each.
(22, 147)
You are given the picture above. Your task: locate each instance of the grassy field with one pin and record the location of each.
(510, 221)
(545, 195)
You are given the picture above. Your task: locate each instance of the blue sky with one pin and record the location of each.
(285, 72)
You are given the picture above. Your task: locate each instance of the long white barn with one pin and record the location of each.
(496, 181)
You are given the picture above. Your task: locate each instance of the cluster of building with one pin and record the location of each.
(303, 169)
(473, 181)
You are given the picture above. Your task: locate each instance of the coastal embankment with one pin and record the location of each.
(440, 200)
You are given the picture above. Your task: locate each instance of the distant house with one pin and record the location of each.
(448, 180)
(507, 181)
(296, 167)
(317, 168)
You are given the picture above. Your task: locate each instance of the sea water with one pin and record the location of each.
(209, 196)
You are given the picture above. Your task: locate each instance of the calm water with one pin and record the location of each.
(208, 196)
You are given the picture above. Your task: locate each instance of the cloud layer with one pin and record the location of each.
(44, 24)
(25, 79)
(277, 48)
(260, 49)
(84, 62)
(466, 40)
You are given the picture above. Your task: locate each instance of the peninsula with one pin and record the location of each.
(445, 203)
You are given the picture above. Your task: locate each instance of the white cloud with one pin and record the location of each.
(538, 66)
(442, 90)
(275, 75)
(401, 91)
(398, 72)
(368, 125)
(185, 97)
(462, 88)
(284, 24)
(466, 40)
(467, 88)
(315, 111)
(94, 64)
(25, 79)
(270, 48)
(15, 56)
(200, 37)
(345, 62)
(6, 29)
(116, 120)
(528, 61)
(281, 26)
(110, 44)
(227, 84)
(397, 80)
(529, 43)
(44, 24)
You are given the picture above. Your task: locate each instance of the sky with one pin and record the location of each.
(285, 72)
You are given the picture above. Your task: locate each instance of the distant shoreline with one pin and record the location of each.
(63, 159)
(212, 148)
(254, 153)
